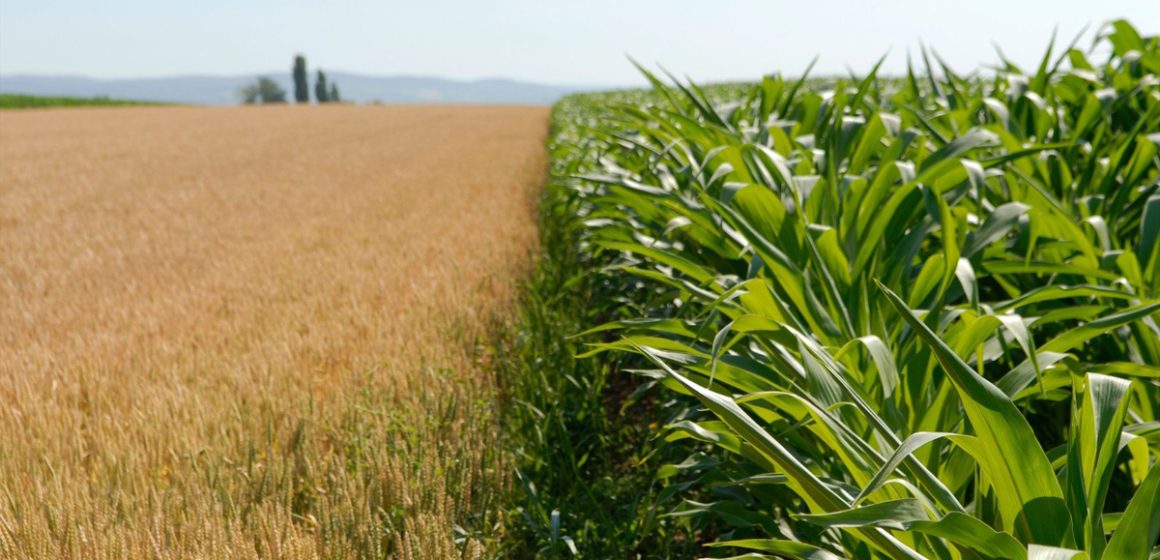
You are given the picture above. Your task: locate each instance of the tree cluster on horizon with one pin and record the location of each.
(265, 90)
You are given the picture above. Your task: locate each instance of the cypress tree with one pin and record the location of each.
(320, 91)
(301, 87)
(334, 98)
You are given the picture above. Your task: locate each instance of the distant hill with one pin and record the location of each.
(222, 90)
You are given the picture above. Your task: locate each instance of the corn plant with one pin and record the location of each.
(917, 315)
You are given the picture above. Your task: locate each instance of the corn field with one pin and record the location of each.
(889, 318)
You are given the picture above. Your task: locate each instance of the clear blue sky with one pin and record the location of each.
(566, 42)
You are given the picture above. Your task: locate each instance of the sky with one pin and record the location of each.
(578, 43)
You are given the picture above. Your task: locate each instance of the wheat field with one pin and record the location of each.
(257, 332)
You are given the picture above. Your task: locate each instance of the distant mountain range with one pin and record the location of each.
(222, 90)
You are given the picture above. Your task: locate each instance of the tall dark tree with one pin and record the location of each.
(334, 98)
(320, 92)
(301, 86)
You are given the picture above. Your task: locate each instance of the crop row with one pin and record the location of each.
(890, 318)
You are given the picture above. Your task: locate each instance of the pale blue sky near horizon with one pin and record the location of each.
(547, 41)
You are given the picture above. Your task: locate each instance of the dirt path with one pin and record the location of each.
(206, 312)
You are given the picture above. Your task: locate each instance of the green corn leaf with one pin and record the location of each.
(1077, 336)
(1092, 456)
(819, 495)
(973, 535)
(893, 514)
(1139, 527)
(782, 548)
(1038, 552)
(1024, 481)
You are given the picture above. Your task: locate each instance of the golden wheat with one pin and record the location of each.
(254, 332)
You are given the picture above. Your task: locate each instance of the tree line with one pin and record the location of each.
(266, 90)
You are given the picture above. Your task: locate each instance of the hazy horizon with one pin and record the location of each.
(581, 45)
(328, 71)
